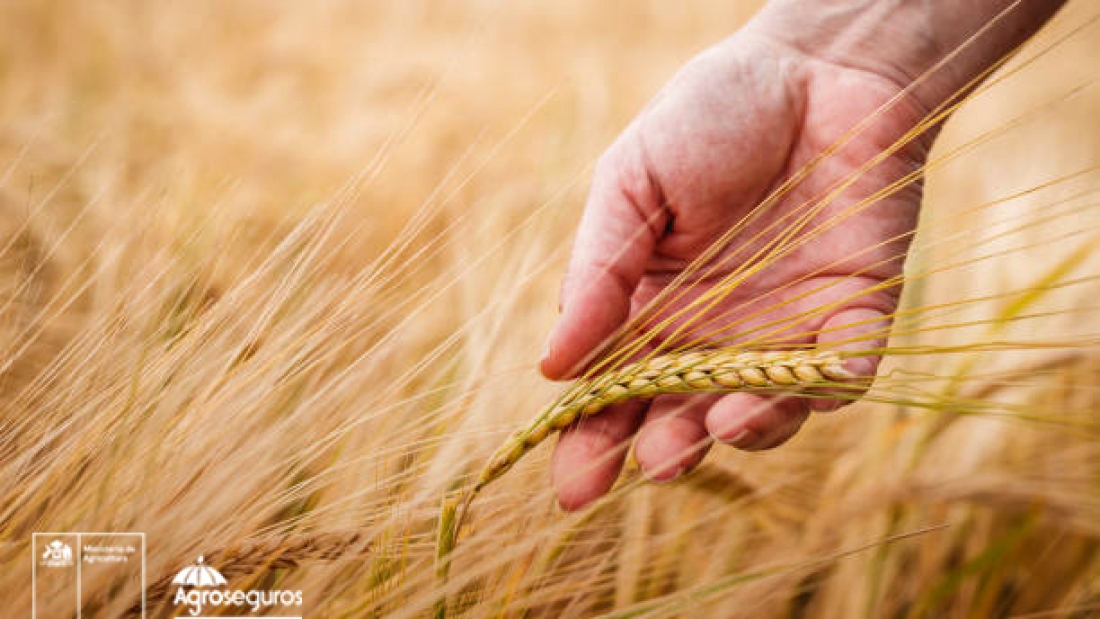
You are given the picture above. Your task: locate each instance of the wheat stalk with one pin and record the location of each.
(720, 370)
(445, 543)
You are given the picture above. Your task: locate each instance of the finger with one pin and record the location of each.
(622, 221)
(856, 329)
(674, 437)
(590, 454)
(751, 422)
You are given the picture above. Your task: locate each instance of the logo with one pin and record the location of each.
(199, 575)
(114, 556)
(202, 585)
(58, 554)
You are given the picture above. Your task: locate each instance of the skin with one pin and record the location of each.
(726, 131)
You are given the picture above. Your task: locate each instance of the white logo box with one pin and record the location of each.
(62, 557)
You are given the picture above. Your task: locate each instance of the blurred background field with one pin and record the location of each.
(275, 271)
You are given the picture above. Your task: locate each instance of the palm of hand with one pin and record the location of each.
(791, 118)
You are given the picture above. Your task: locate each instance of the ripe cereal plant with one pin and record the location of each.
(271, 290)
(703, 371)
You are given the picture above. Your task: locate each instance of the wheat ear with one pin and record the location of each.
(704, 371)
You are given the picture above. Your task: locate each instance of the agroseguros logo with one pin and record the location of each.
(193, 591)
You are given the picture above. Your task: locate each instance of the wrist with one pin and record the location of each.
(903, 41)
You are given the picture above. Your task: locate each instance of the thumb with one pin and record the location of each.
(622, 221)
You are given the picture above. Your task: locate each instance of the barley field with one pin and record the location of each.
(274, 278)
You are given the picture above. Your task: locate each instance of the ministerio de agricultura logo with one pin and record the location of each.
(63, 563)
(57, 554)
(201, 586)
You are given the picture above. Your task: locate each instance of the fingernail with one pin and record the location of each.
(675, 475)
(661, 476)
(744, 438)
(549, 339)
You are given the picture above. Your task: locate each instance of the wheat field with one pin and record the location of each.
(275, 277)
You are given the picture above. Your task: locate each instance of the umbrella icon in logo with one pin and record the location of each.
(199, 575)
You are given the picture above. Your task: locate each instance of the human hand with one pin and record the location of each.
(728, 129)
(726, 133)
